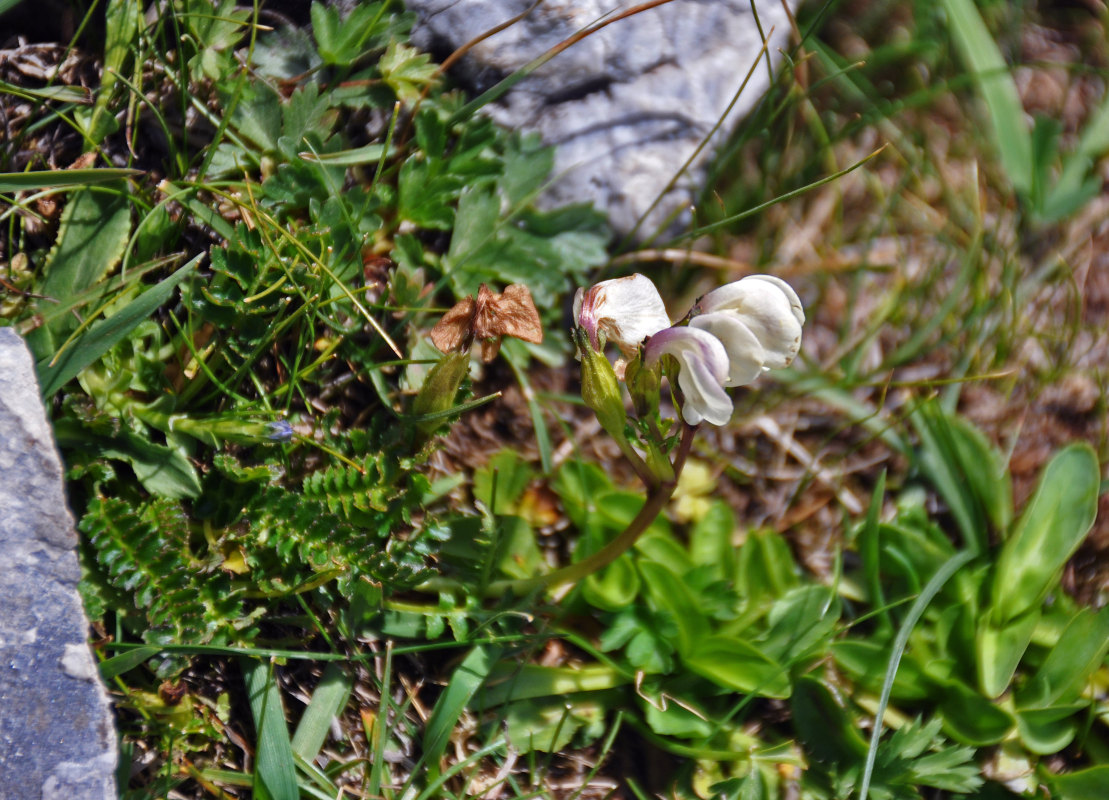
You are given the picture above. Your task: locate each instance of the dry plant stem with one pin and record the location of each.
(657, 499)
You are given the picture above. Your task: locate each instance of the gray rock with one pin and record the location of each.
(57, 736)
(626, 106)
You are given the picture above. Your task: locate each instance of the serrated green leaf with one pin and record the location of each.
(406, 70)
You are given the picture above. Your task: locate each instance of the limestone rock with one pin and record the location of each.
(57, 736)
(625, 106)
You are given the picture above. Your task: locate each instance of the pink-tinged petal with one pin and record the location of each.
(769, 308)
(703, 366)
(625, 310)
(746, 358)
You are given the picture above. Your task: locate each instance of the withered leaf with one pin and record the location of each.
(455, 326)
(488, 317)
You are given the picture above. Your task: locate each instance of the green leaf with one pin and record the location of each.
(1000, 649)
(967, 470)
(122, 26)
(1069, 664)
(801, 624)
(669, 593)
(342, 41)
(971, 718)
(92, 235)
(274, 773)
(105, 334)
(991, 74)
(1085, 784)
(56, 178)
(1053, 525)
(1048, 730)
(550, 727)
(509, 475)
(127, 661)
(736, 664)
(823, 724)
(614, 587)
(865, 662)
(406, 70)
(328, 699)
(468, 677)
(710, 541)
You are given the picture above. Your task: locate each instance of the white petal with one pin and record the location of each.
(704, 368)
(746, 357)
(627, 310)
(769, 308)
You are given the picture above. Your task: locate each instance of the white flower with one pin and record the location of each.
(626, 310)
(704, 369)
(758, 319)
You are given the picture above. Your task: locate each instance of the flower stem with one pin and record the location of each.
(657, 499)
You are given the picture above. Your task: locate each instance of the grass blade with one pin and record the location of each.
(55, 178)
(930, 590)
(467, 679)
(328, 700)
(274, 772)
(991, 74)
(101, 337)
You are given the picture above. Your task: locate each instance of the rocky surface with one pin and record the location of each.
(626, 106)
(57, 737)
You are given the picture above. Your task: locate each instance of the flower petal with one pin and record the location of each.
(769, 308)
(746, 357)
(627, 310)
(704, 368)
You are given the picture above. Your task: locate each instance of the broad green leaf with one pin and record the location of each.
(991, 74)
(1069, 664)
(1048, 730)
(710, 541)
(865, 662)
(328, 700)
(92, 235)
(55, 178)
(1085, 784)
(550, 727)
(971, 718)
(1053, 525)
(501, 482)
(100, 337)
(823, 724)
(614, 587)
(513, 681)
(1000, 649)
(736, 664)
(666, 718)
(274, 773)
(669, 593)
(802, 624)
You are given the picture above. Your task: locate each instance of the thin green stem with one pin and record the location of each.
(657, 499)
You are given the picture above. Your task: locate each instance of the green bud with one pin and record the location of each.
(439, 389)
(600, 389)
(644, 385)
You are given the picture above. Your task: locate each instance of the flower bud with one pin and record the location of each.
(439, 389)
(644, 386)
(600, 389)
